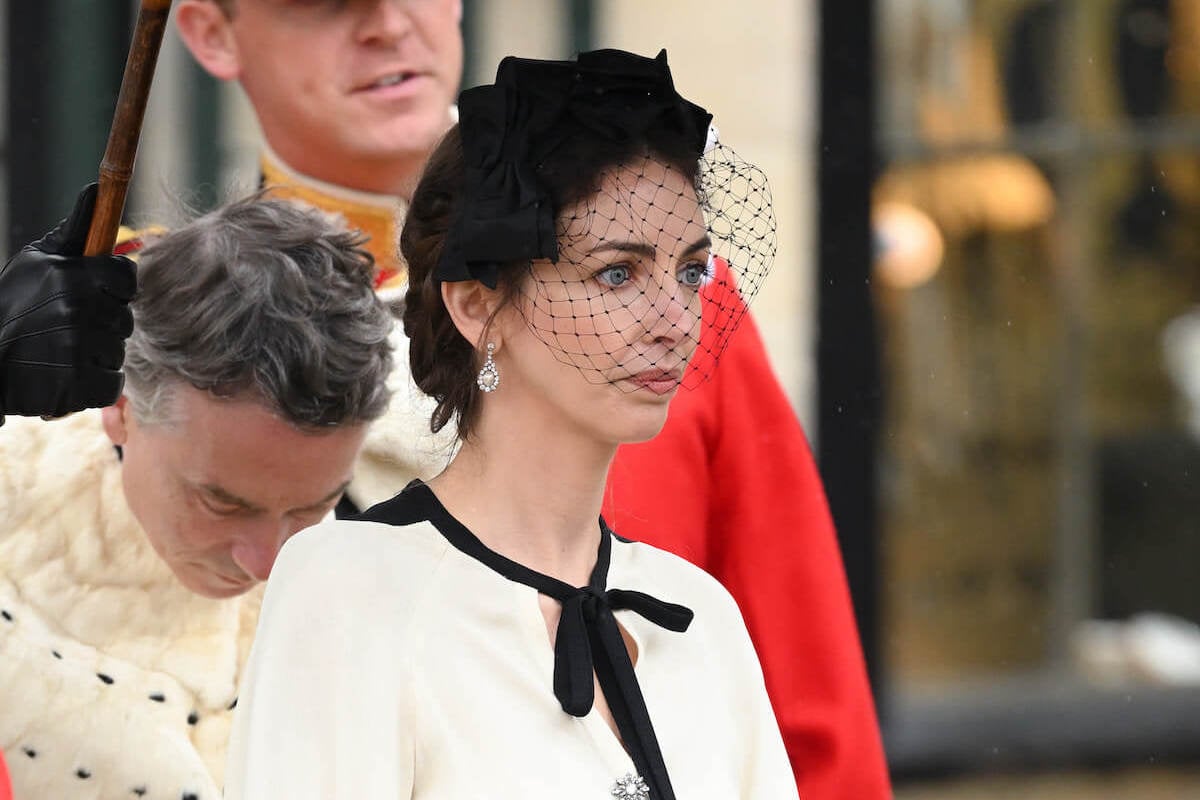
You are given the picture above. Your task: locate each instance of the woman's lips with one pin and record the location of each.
(659, 381)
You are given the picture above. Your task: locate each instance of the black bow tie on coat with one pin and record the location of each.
(588, 639)
(587, 629)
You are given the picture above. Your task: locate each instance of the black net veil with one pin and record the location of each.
(645, 237)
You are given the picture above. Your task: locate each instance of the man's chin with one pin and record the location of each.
(225, 594)
(417, 132)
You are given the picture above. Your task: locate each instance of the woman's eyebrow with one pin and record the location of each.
(703, 243)
(640, 248)
(646, 249)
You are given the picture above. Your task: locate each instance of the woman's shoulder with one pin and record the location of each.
(356, 544)
(670, 577)
(358, 564)
(717, 622)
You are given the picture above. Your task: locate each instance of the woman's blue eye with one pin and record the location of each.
(692, 275)
(615, 276)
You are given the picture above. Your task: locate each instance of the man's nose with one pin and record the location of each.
(385, 21)
(255, 551)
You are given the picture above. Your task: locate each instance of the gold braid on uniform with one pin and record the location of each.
(376, 215)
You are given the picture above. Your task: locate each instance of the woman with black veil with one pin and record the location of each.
(486, 634)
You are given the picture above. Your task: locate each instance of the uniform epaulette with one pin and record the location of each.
(130, 240)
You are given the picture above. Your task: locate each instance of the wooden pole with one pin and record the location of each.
(117, 167)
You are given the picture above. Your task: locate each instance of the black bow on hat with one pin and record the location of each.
(509, 128)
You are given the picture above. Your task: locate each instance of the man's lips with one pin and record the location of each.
(659, 381)
(389, 80)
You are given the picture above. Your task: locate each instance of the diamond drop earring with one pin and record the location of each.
(489, 376)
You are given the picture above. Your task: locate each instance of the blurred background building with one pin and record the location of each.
(984, 310)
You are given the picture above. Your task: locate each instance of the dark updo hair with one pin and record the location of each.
(444, 364)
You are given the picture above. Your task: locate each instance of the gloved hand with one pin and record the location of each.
(64, 318)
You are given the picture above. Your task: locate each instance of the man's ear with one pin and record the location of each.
(208, 33)
(116, 421)
(471, 306)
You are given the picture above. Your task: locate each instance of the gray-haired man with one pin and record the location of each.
(130, 538)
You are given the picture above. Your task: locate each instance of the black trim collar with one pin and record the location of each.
(588, 638)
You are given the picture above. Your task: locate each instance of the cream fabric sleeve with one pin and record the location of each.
(767, 771)
(327, 708)
(756, 744)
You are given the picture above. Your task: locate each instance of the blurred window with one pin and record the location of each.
(1037, 281)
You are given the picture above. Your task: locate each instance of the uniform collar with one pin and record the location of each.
(379, 216)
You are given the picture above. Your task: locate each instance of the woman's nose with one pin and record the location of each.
(671, 315)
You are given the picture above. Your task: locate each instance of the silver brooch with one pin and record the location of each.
(631, 787)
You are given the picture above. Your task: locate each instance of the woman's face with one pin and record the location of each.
(606, 332)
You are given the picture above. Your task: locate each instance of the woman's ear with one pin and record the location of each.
(208, 33)
(471, 306)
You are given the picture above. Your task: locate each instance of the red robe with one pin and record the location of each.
(5, 786)
(730, 485)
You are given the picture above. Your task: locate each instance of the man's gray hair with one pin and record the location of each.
(261, 299)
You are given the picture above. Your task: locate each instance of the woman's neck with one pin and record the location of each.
(530, 494)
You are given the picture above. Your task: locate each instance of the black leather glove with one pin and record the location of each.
(64, 319)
